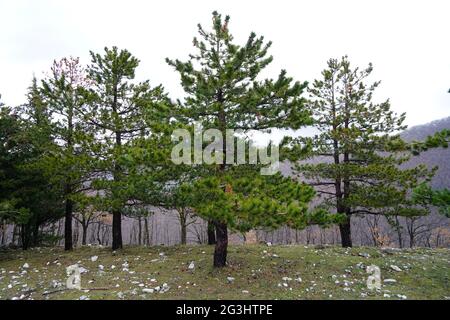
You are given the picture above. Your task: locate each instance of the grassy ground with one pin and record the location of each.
(258, 272)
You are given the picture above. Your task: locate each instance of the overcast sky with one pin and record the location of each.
(407, 41)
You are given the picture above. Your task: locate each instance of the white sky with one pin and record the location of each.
(407, 41)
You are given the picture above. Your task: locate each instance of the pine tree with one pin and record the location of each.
(440, 198)
(121, 112)
(223, 92)
(31, 198)
(10, 128)
(424, 194)
(358, 147)
(68, 164)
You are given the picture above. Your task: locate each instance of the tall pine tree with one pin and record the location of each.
(357, 146)
(29, 189)
(223, 92)
(68, 163)
(120, 110)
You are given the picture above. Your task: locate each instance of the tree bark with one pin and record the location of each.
(85, 229)
(411, 231)
(211, 233)
(99, 240)
(117, 230)
(183, 229)
(183, 234)
(25, 236)
(399, 232)
(220, 251)
(68, 241)
(35, 241)
(68, 245)
(117, 173)
(411, 240)
(346, 236)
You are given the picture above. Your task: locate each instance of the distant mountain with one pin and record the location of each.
(420, 132)
(434, 157)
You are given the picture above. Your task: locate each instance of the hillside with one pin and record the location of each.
(253, 272)
(434, 157)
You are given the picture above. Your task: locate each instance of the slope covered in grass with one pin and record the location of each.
(253, 272)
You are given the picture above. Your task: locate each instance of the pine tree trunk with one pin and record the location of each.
(117, 173)
(220, 251)
(68, 245)
(25, 236)
(36, 235)
(211, 233)
(117, 230)
(183, 231)
(139, 231)
(399, 232)
(85, 229)
(183, 234)
(400, 239)
(346, 236)
(99, 240)
(68, 241)
(345, 227)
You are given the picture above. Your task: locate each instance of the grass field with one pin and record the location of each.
(259, 272)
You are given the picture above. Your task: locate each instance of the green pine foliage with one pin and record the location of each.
(68, 162)
(438, 140)
(440, 198)
(358, 147)
(423, 194)
(28, 198)
(128, 119)
(224, 91)
(95, 139)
